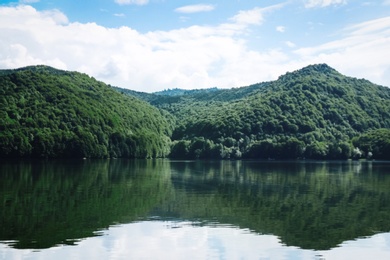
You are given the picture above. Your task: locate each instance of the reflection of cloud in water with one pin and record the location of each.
(159, 240)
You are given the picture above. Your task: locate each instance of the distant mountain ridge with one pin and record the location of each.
(315, 112)
(181, 92)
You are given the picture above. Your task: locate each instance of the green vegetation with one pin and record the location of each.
(311, 205)
(310, 113)
(52, 113)
(47, 203)
(375, 144)
(314, 113)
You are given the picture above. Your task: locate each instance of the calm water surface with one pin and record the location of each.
(161, 209)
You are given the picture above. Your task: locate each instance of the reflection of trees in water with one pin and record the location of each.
(50, 203)
(313, 205)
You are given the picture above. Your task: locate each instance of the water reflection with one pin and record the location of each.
(295, 205)
(314, 205)
(182, 240)
(51, 203)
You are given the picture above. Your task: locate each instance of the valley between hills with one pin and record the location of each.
(312, 113)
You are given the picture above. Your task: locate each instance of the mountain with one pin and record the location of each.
(181, 92)
(165, 98)
(53, 113)
(314, 112)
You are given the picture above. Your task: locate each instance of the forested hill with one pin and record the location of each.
(47, 112)
(315, 112)
(164, 99)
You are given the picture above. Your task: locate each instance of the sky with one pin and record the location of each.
(152, 45)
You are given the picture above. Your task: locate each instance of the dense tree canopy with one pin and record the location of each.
(374, 144)
(314, 113)
(310, 113)
(52, 113)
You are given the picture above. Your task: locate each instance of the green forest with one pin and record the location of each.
(311, 113)
(48, 113)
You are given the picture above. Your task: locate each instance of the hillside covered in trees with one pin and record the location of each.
(52, 113)
(314, 113)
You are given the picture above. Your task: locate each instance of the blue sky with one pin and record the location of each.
(150, 45)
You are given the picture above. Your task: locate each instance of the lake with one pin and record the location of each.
(164, 209)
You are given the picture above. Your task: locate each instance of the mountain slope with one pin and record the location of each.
(313, 112)
(166, 98)
(53, 113)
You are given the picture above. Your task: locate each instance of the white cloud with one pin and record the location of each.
(195, 8)
(192, 57)
(386, 2)
(323, 3)
(130, 2)
(254, 16)
(290, 44)
(361, 52)
(281, 29)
